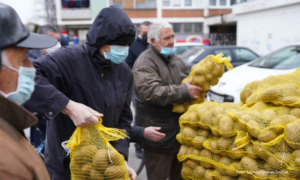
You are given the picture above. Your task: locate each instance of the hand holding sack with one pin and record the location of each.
(205, 73)
(92, 156)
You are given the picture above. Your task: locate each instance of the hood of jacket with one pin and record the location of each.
(110, 24)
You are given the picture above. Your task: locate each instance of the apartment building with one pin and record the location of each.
(188, 17)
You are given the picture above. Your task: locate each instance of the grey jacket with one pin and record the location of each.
(157, 86)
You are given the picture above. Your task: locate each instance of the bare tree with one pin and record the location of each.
(44, 12)
(51, 12)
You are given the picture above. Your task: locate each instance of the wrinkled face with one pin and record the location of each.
(8, 77)
(166, 39)
(143, 30)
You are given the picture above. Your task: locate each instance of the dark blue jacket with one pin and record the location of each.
(81, 74)
(136, 48)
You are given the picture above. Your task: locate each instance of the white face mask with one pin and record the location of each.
(54, 48)
(25, 85)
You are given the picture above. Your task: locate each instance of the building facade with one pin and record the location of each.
(188, 17)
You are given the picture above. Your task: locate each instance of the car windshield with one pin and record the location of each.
(284, 58)
(189, 55)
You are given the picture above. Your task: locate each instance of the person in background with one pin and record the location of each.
(63, 41)
(158, 73)
(138, 46)
(35, 137)
(50, 31)
(18, 158)
(75, 85)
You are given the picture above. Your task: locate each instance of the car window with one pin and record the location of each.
(244, 55)
(226, 53)
(285, 58)
(181, 49)
(191, 54)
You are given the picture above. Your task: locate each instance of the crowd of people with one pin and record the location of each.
(72, 86)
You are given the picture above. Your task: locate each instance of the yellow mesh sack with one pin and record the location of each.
(212, 116)
(92, 156)
(205, 73)
(265, 121)
(280, 90)
(249, 90)
(193, 137)
(292, 135)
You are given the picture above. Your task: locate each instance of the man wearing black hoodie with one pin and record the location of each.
(77, 84)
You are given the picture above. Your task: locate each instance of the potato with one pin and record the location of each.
(203, 132)
(199, 172)
(275, 162)
(198, 80)
(83, 155)
(75, 168)
(249, 164)
(192, 163)
(179, 138)
(250, 152)
(295, 112)
(223, 143)
(226, 125)
(199, 71)
(239, 166)
(198, 141)
(253, 128)
(186, 172)
(208, 154)
(114, 171)
(115, 157)
(207, 176)
(267, 136)
(289, 100)
(196, 152)
(96, 175)
(270, 94)
(236, 154)
(86, 169)
(188, 132)
(214, 81)
(216, 157)
(268, 115)
(227, 162)
(208, 76)
(100, 160)
(291, 134)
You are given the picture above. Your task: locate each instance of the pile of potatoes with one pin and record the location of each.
(90, 162)
(206, 73)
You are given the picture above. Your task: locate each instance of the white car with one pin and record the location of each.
(282, 61)
(180, 48)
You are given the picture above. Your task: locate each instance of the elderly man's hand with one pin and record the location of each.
(81, 115)
(194, 91)
(152, 134)
(131, 173)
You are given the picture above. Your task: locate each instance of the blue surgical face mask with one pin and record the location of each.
(117, 54)
(25, 85)
(167, 51)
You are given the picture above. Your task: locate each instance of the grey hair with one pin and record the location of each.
(47, 28)
(154, 30)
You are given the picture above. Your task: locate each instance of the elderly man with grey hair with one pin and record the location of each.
(158, 73)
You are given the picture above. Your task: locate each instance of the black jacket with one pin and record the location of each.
(81, 74)
(137, 47)
(136, 134)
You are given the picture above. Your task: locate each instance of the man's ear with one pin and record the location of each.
(139, 31)
(152, 40)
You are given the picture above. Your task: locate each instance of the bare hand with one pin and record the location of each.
(81, 115)
(152, 134)
(194, 91)
(131, 173)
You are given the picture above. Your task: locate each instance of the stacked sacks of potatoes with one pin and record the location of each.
(279, 90)
(206, 73)
(92, 157)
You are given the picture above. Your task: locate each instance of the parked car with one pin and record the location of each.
(282, 61)
(180, 48)
(236, 55)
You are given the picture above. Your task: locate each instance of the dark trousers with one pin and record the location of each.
(161, 166)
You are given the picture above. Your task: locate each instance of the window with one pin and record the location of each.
(223, 2)
(147, 4)
(187, 27)
(166, 3)
(75, 3)
(232, 2)
(226, 53)
(212, 2)
(198, 27)
(241, 1)
(118, 4)
(177, 27)
(244, 55)
(176, 3)
(188, 2)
